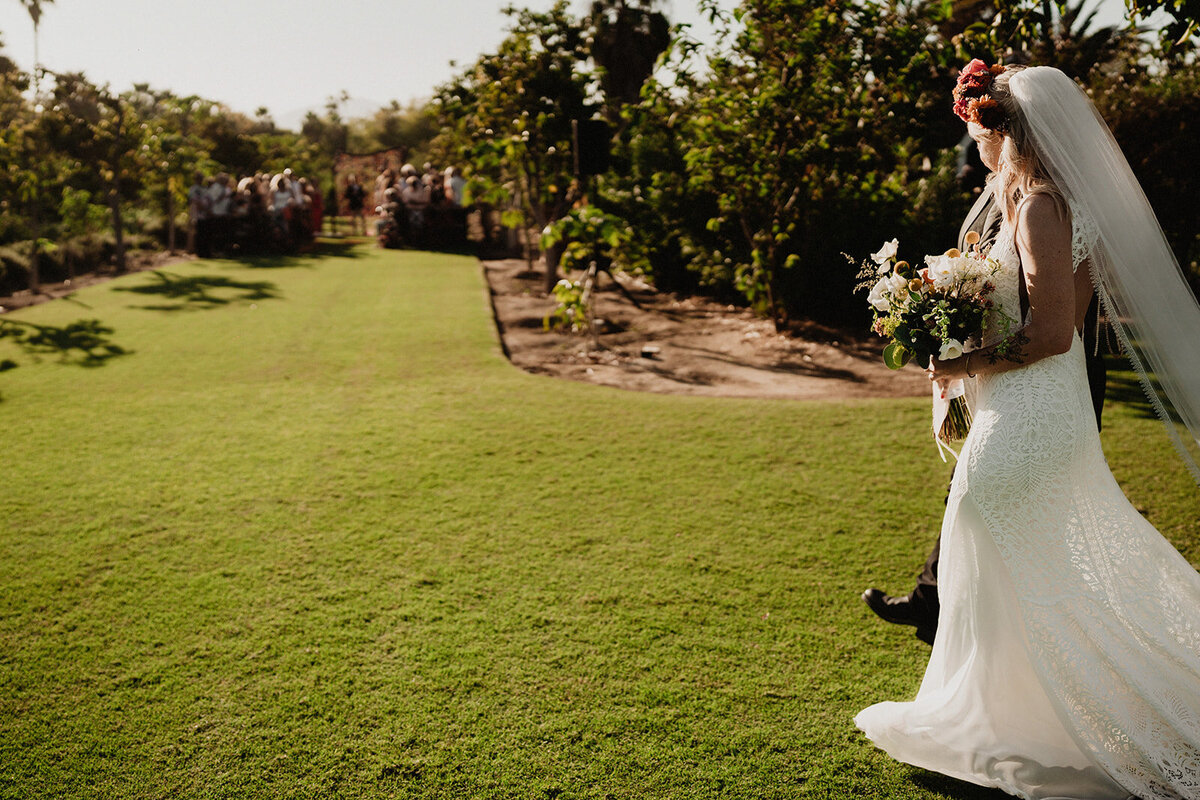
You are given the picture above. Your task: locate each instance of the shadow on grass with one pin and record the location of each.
(951, 787)
(84, 342)
(322, 249)
(1125, 388)
(200, 291)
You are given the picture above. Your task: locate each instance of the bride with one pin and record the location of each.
(1067, 660)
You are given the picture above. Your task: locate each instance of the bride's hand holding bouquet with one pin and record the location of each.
(933, 315)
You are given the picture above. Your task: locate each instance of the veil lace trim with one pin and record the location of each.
(1144, 294)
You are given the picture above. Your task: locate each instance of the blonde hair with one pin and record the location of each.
(1020, 173)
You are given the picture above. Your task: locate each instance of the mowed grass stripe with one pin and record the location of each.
(328, 542)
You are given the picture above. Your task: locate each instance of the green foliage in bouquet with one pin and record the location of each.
(938, 310)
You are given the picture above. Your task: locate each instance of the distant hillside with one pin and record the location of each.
(354, 108)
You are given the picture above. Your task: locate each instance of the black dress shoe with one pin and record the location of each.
(901, 611)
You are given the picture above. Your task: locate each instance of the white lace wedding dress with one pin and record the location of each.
(1067, 658)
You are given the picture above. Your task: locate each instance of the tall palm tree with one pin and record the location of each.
(1057, 33)
(1072, 43)
(628, 36)
(34, 7)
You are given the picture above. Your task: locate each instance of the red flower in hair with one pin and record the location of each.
(986, 112)
(972, 88)
(975, 68)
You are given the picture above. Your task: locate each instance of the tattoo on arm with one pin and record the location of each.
(1011, 349)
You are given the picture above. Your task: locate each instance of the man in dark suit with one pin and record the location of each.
(920, 607)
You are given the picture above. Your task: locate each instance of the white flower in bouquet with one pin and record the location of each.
(878, 299)
(886, 254)
(885, 290)
(945, 270)
(951, 348)
(895, 284)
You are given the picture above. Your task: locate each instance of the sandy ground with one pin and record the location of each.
(688, 346)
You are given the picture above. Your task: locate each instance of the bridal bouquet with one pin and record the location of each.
(937, 310)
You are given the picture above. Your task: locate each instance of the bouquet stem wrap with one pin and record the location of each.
(951, 416)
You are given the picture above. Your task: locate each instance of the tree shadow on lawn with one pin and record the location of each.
(323, 248)
(84, 342)
(192, 292)
(1125, 388)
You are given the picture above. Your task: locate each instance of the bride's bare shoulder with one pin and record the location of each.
(1037, 205)
(1043, 219)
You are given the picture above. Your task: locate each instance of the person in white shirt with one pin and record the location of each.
(453, 185)
(294, 184)
(282, 203)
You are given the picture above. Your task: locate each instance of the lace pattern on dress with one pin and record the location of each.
(1109, 606)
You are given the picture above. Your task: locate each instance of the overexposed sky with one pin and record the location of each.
(287, 55)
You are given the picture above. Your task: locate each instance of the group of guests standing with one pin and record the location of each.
(423, 209)
(282, 212)
(261, 213)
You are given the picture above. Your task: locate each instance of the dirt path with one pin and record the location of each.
(688, 346)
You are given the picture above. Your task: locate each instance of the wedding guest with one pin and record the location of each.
(415, 196)
(315, 205)
(220, 197)
(453, 186)
(384, 181)
(294, 184)
(283, 201)
(355, 196)
(392, 221)
(198, 207)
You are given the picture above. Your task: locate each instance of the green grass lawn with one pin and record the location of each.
(314, 537)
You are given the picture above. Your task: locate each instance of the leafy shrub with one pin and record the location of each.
(572, 311)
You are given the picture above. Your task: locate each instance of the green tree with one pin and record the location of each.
(31, 187)
(34, 7)
(103, 131)
(648, 187)
(1185, 18)
(509, 116)
(1050, 33)
(329, 134)
(169, 155)
(812, 120)
(408, 128)
(28, 169)
(627, 38)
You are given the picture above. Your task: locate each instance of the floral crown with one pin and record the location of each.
(973, 101)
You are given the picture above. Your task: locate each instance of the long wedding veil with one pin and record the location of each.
(1143, 291)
